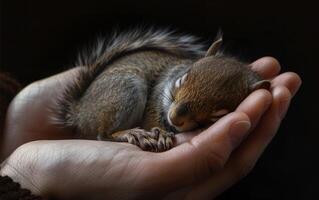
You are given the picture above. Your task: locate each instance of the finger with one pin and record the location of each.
(290, 80)
(181, 138)
(203, 155)
(255, 105)
(266, 67)
(244, 158)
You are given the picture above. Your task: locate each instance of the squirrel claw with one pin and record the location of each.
(164, 141)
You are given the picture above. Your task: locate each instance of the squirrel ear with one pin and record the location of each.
(213, 49)
(264, 84)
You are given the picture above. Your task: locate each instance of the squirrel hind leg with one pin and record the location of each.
(120, 107)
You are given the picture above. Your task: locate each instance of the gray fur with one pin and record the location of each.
(105, 50)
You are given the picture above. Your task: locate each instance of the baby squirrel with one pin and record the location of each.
(160, 81)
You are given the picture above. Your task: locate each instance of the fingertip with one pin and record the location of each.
(229, 119)
(272, 61)
(267, 61)
(267, 67)
(291, 80)
(296, 84)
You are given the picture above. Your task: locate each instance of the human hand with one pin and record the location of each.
(201, 166)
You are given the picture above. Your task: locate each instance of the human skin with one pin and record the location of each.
(200, 166)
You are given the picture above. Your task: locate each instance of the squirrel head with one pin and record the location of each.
(212, 87)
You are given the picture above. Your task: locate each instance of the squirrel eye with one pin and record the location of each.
(180, 81)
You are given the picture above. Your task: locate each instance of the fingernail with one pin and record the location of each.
(238, 131)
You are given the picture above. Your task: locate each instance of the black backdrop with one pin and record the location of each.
(40, 38)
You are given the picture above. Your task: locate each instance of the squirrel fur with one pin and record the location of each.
(160, 81)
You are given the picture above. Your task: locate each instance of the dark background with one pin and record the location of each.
(40, 38)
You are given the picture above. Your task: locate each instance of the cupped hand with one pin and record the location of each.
(201, 166)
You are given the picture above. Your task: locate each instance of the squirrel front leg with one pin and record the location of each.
(153, 137)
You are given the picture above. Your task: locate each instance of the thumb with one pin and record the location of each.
(202, 156)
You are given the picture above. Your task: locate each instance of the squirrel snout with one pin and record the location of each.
(181, 123)
(175, 121)
(178, 115)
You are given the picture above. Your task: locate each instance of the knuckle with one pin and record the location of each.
(294, 82)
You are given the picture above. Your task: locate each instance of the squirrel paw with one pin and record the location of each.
(164, 139)
(156, 140)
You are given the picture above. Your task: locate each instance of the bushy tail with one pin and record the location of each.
(104, 51)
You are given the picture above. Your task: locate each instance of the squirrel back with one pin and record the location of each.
(99, 57)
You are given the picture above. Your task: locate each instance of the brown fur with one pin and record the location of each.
(213, 83)
(162, 88)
